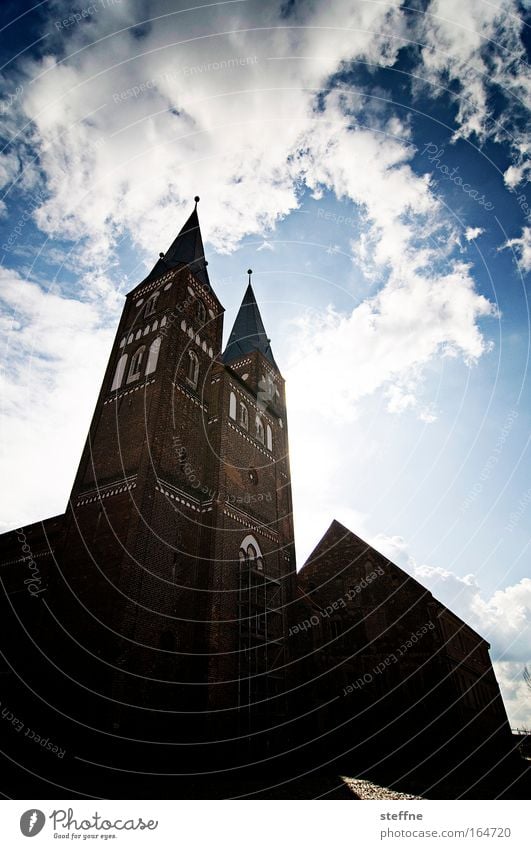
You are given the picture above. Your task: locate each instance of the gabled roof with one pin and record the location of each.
(334, 541)
(248, 333)
(187, 249)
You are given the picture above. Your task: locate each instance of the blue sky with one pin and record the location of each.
(371, 164)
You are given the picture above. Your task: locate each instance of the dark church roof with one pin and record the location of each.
(187, 249)
(248, 333)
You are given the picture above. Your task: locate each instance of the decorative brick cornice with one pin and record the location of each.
(176, 494)
(251, 440)
(190, 396)
(116, 487)
(149, 287)
(117, 395)
(24, 558)
(249, 522)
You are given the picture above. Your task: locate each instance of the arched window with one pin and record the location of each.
(269, 438)
(244, 416)
(232, 405)
(119, 373)
(259, 429)
(193, 369)
(153, 355)
(200, 311)
(136, 364)
(250, 553)
(151, 305)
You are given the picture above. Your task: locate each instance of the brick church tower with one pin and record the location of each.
(182, 501)
(175, 563)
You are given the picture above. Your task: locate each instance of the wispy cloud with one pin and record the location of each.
(54, 353)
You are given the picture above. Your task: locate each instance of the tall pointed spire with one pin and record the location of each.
(187, 249)
(248, 333)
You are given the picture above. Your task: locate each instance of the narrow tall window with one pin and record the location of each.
(193, 369)
(136, 364)
(269, 438)
(244, 416)
(119, 373)
(201, 311)
(259, 429)
(232, 405)
(151, 305)
(153, 355)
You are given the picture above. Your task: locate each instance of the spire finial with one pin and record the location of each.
(197, 199)
(249, 272)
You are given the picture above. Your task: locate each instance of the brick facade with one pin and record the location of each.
(162, 613)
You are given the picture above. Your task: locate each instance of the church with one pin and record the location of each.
(159, 628)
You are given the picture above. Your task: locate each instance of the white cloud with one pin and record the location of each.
(138, 135)
(522, 245)
(389, 338)
(472, 233)
(476, 45)
(516, 695)
(520, 170)
(54, 355)
(420, 312)
(506, 616)
(126, 141)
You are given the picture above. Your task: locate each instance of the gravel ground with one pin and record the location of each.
(368, 790)
(315, 785)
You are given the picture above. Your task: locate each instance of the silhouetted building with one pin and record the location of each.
(159, 627)
(398, 675)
